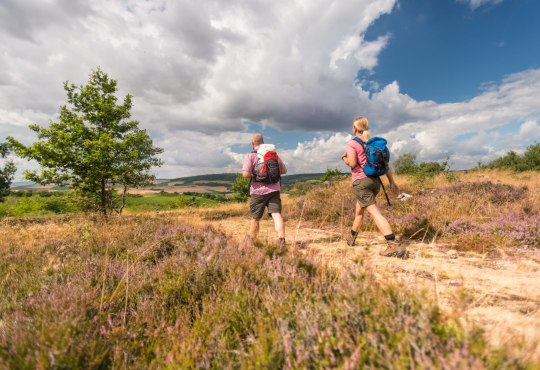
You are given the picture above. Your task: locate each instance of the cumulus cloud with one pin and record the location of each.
(199, 70)
(202, 66)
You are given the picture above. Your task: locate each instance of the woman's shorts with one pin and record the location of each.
(257, 203)
(366, 190)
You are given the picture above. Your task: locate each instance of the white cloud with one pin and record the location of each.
(199, 70)
(528, 130)
(475, 4)
(192, 66)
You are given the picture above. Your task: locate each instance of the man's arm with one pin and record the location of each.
(282, 168)
(246, 167)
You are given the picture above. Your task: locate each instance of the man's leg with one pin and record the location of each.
(279, 225)
(254, 229)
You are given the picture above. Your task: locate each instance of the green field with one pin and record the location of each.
(172, 201)
(42, 203)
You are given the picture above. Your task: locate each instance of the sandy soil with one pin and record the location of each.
(500, 293)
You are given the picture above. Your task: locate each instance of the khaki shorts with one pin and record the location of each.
(257, 203)
(365, 190)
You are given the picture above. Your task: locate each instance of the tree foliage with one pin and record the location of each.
(93, 146)
(241, 188)
(406, 164)
(331, 174)
(7, 172)
(529, 161)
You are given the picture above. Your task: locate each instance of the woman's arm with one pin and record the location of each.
(393, 185)
(349, 158)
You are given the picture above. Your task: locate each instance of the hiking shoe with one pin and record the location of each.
(394, 249)
(282, 243)
(351, 239)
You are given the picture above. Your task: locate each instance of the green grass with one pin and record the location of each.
(36, 205)
(31, 204)
(168, 202)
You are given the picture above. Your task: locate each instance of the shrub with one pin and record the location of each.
(530, 161)
(241, 188)
(422, 173)
(154, 293)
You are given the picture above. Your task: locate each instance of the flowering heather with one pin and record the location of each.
(148, 292)
(479, 211)
(520, 228)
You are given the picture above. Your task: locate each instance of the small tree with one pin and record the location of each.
(331, 174)
(241, 188)
(405, 164)
(7, 172)
(93, 146)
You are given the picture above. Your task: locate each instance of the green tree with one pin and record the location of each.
(405, 164)
(93, 146)
(510, 161)
(7, 172)
(331, 174)
(531, 158)
(241, 188)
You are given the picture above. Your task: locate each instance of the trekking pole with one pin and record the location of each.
(384, 190)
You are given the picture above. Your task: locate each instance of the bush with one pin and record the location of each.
(154, 293)
(241, 188)
(422, 173)
(530, 161)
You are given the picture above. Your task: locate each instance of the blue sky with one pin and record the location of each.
(435, 77)
(445, 51)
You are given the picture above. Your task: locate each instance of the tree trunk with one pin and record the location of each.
(103, 198)
(124, 191)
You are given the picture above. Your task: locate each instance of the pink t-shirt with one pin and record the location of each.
(259, 188)
(354, 148)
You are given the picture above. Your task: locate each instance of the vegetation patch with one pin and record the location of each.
(143, 292)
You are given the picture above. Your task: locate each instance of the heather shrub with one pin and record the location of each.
(143, 292)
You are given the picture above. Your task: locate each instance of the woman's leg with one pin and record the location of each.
(358, 218)
(380, 221)
(394, 247)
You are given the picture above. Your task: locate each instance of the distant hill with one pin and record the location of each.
(217, 182)
(226, 179)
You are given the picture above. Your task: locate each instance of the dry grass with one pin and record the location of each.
(477, 211)
(167, 289)
(152, 292)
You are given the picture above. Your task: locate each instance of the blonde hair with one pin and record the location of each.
(361, 125)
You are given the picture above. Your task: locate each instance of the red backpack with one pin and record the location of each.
(267, 170)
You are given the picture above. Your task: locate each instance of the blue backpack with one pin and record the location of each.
(377, 155)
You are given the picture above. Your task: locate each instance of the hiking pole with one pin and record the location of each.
(384, 190)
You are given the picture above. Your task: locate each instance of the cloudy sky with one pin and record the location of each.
(436, 78)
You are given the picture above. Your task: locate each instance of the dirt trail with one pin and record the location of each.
(501, 293)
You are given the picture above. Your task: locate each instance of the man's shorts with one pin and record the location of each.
(366, 190)
(257, 204)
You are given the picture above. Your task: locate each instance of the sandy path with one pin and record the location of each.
(501, 293)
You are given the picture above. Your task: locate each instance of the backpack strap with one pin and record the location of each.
(359, 141)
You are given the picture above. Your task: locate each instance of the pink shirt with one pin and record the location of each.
(354, 148)
(259, 188)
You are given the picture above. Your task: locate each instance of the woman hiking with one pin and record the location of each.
(366, 189)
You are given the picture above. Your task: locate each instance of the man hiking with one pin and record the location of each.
(366, 188)
(264, 168)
